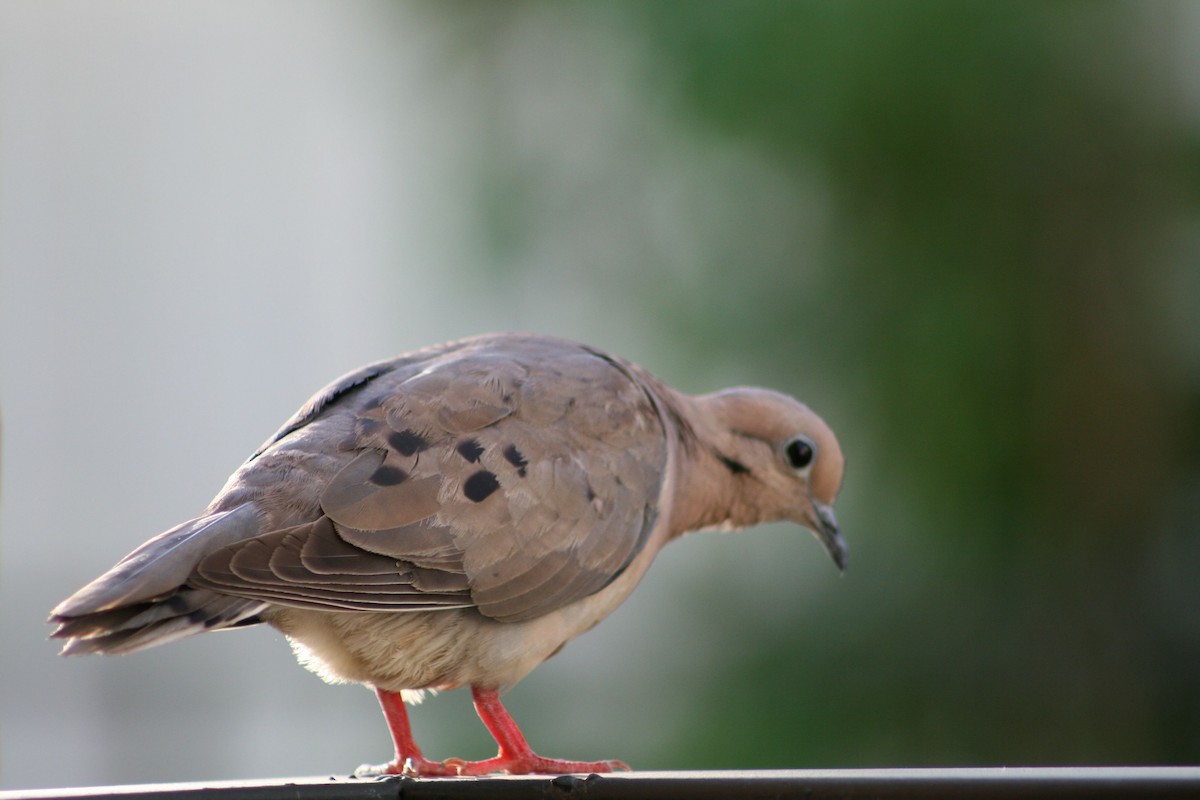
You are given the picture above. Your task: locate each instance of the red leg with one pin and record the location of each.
(516, 757)
(408, 760)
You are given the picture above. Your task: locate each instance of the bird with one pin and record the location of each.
(454, 516)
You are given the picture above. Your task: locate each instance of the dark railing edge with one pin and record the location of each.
(985, 782)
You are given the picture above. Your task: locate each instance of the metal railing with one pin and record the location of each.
(1034, 782)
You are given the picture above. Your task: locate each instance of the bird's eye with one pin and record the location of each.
(800, 452)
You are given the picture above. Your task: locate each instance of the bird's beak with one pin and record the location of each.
(825, 525)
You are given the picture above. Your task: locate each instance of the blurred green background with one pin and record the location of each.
(966, 233)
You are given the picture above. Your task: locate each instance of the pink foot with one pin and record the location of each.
(516, 757)
(532, 764)
(408, 760)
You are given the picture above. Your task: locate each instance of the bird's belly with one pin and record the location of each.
(417, 650)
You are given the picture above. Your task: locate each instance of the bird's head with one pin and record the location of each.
(783, 462)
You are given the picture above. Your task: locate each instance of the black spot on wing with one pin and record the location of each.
(513, 456)
(734, 466)
(388, 476)
(470, 449)
(480, 486)
(407, 442)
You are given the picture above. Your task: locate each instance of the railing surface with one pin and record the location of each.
(1033, 782)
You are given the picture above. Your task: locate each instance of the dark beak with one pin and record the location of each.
(825, 525)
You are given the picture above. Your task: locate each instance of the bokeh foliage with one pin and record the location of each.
(1000, 281)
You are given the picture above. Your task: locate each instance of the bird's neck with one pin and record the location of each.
(704, 496)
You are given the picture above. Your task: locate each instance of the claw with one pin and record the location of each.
(411, 767)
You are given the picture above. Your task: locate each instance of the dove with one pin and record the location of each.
(453, 517)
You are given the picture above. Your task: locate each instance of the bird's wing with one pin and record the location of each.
(515, 477)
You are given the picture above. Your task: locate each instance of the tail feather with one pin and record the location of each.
(128, 641)
(144, 600)
(162, 564)
(125, 630)
(102, 622)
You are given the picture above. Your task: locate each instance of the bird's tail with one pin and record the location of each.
(144, 600)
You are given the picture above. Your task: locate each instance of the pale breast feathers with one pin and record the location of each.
(512, 482)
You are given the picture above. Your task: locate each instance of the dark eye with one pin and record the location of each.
(800, 452)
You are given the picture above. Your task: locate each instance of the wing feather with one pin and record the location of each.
(513, 475)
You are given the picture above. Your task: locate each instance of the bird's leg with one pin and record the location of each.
(515, 756)
(408, 760)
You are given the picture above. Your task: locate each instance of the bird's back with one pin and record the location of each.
(508, 476)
